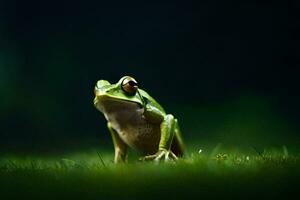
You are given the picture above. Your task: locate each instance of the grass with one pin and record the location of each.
(92, 175)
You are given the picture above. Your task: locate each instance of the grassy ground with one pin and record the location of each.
(92, 175)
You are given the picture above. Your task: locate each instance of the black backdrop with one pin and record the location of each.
(193, 58)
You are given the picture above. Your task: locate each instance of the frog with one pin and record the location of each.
(136, 120)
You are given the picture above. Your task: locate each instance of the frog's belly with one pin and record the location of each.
(134, 129)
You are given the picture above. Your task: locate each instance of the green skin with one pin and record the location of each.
(138, 121)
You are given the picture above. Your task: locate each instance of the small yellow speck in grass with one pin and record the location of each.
(221, 157)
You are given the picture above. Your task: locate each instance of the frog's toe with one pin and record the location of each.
(173, 156)
(166, 156)
(160, 156)
(148, 158)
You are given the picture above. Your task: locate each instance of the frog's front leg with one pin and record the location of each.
(167, 128)
(119, 145)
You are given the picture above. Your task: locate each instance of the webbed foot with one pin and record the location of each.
(161, 155)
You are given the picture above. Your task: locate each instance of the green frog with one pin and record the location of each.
(136, 120)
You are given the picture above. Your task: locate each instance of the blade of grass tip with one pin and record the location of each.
(12, 164)
(258, 152)
(57, 166)
(285, 151)
(216, 150)
(101, 159)
(33, 166)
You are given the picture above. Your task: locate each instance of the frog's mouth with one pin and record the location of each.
(107, 104)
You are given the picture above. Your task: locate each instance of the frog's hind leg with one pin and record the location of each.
(177, 146)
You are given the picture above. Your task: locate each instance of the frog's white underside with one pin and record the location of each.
(127, 119)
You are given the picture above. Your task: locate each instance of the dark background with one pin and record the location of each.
(228, 70)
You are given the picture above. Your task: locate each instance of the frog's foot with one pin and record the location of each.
(161, 155)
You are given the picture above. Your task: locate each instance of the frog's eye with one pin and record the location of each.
(129, 85)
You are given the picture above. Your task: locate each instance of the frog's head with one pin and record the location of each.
(115, 96)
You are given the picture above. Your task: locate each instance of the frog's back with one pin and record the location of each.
(151, 100)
